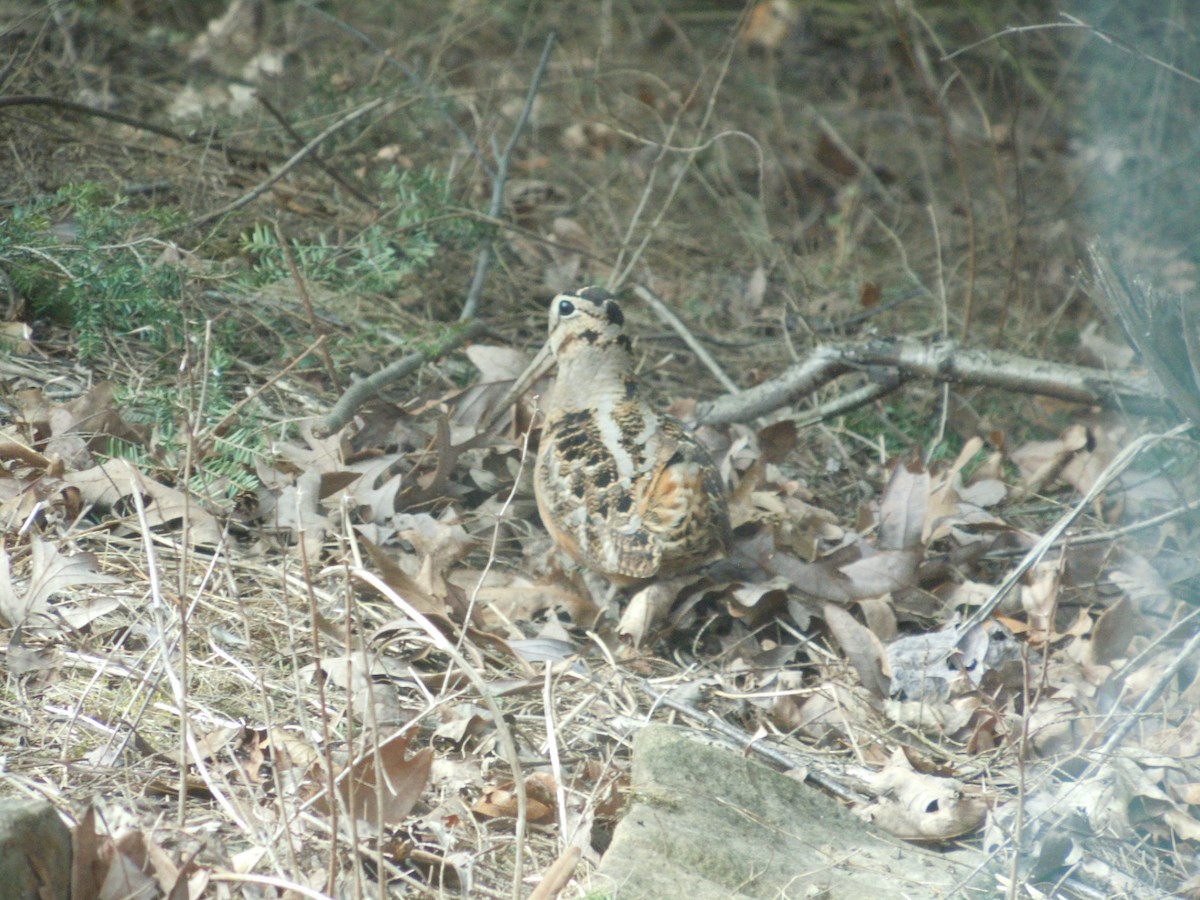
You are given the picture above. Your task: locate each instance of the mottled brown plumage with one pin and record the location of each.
(625, 491)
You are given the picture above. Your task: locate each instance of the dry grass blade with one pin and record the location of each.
(485, 694)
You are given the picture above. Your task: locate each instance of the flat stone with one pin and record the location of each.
(709, 823)
(35, 851)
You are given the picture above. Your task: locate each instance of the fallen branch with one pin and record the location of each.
(945, 361)
(82, 109)
(361, 391)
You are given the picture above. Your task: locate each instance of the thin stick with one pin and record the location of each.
(484, 262)
(676, 183)
(943, 361)
(221, 427)
(161, 611)
(320, 163)
(665, 313)
(297, 157)
(285, 247)
(94, 112)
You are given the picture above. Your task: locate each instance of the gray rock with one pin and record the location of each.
(35, 851)
(708, 823)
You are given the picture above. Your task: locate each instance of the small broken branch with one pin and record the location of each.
(361, 391)
(944, 361)
(471, 306)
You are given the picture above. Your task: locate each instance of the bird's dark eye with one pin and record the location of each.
(565, 308)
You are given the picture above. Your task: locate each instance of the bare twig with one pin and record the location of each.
(865, 171)
(430, 95)
(484, 262)
(359, 392)
(934, 99)
(744, 742)
(228, 419)
(297, 157)
(285, 247)
(665, 313)
(881, 386)
(1076, 24)
(320, 163)
(623, 268)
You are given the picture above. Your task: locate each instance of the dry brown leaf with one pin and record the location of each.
(497, 364)
(1041, 461)
(646, 608)
(384, 784)
(880, 616)
(903, 507)
(919, 807)
(1056, 726)
(294, 512)
(1143, 584)
(87, 869)
(502, 597)
(818, 580)
(291, 751)
(124, 878)
(829, 712)
(1183, 825)
(1113, 631)
(106, 484)
(880, 573)
(769, 24)
(862, 648)
(444, 540)
(502, 800)
(1084, 468)
(368, 485)
(69, 431)
(14, 449)
(407, 587)
(50, 573)
(1039, 598)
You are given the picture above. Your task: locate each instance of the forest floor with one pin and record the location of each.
(277, 649)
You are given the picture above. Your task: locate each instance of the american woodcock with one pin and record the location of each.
(625, 491)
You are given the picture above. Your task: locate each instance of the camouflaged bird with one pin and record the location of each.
(625, 491)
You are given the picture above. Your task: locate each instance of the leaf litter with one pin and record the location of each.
(837, 626)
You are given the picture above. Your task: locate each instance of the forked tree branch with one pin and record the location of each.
(944, 361)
